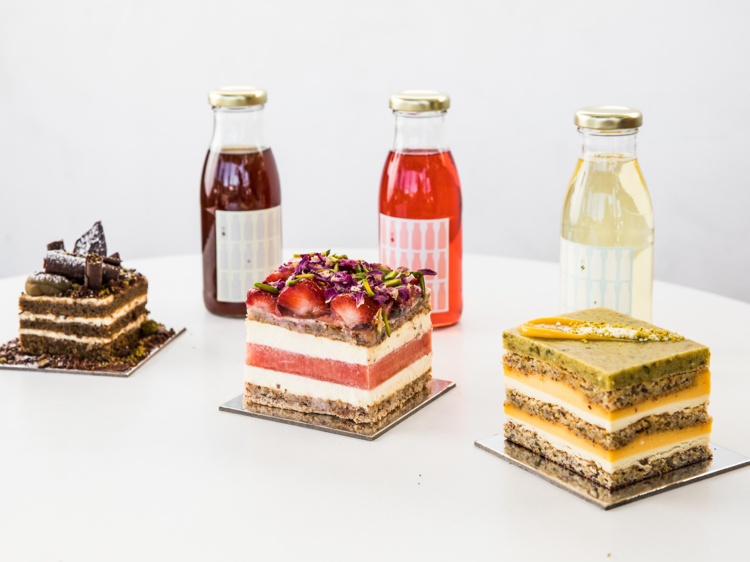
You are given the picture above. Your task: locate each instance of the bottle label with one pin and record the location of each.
(248, 249)
(593, 276)
(419, 244)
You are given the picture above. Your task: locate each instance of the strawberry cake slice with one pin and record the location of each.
(331, 335)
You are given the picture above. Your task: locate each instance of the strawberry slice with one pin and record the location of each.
(305, 299)
(262, 300)
(346, 310)
(279, 275)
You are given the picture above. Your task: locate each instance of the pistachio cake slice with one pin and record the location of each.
(612, 398)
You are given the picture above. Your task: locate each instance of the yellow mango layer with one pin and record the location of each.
(701, 387)
(639, 447)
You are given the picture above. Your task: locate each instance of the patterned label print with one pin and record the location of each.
(595, 276)
(248, 249)
(419, 244)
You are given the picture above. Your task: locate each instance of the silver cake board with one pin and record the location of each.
(724, 460)
(120, 374)
(331, 424)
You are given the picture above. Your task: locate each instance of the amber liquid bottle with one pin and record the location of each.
(420, 201)
(240, 202)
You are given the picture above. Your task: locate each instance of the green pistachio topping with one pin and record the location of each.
(268, 288)
(368, 289)
(385, 320)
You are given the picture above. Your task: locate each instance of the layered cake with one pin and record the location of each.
(614, 399)
(84, 304)
(331, 335)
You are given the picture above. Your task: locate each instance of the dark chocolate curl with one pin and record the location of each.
(93, 242)
(74, 267)
(58, 245)
(114, 259)
(94, 272)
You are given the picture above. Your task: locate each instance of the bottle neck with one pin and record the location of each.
(239, 127)
(424, 132)
(596, 143)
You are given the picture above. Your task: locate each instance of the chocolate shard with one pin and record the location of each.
(57, 245)
(94, 272)
(114, 259)
(93, 242)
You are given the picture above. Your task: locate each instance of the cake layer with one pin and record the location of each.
(610, 400)
(69, 326)
(319, 346)
(556, 392)
(564, 472)
(265, 396)
(648, 446)
(339, 372)
(86, 340)
(610, 365)
(312, 388)
(326, 328)
(648, 467)
(55, 343)
(104, 320)
(682, 418)
(84, 307)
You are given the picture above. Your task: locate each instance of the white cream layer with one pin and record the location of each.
(303, 386)
(323, 348)
(608, 466)
(592, 418)
(99, 321)
(84, 339)
(68, 300)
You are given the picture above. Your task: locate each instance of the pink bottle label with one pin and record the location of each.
(419, 244)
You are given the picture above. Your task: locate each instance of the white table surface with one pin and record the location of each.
(147, 468)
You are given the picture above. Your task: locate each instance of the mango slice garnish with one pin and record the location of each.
(552, 328)
(547, 328)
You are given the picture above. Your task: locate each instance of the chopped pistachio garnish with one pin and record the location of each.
(367, 288)
(268, 288)
(385, 320)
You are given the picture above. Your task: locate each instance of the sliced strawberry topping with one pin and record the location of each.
(346, 310)
(305, 299)
(280, 274)
(262, 300)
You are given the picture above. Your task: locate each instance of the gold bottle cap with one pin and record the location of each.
(420, 100)
(608, 117)
(237, 96)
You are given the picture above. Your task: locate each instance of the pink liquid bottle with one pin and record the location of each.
(420, 200)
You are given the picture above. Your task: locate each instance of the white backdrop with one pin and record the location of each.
(103, 115)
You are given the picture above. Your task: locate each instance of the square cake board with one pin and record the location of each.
(723, 461)
(332, 424)
(120, 374)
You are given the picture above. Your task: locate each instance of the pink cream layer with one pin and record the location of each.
(339, 372)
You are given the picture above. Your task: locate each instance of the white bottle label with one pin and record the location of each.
(593, 276)
(248, 249)
(419, 244)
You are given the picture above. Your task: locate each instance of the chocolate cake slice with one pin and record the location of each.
(83, 305)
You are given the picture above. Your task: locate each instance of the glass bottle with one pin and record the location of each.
(607, 245)
(240, 201)
(420, 201)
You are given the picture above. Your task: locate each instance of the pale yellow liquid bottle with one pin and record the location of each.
(607, 245)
